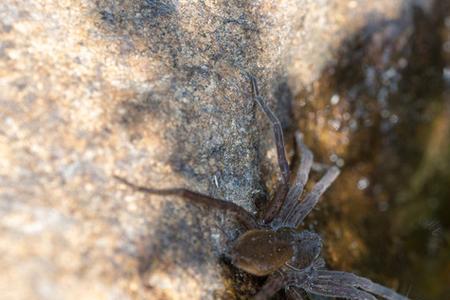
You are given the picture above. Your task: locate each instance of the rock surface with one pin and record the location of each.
(156, 91)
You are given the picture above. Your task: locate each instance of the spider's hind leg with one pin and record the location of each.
(296, 190)
(241, 214)
(295, 293)
(303, 208)
(273, 284)
(283, 187)
(277, 130)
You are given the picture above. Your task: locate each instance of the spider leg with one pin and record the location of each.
(273, 284)
(277, 130)
(294, 293)
(301, 178)
(282, 189)
(241, 214)
(303, 208)
(350, 279)
(329, 289)
(297, 279)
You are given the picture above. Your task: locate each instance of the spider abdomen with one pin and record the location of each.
(262, 251)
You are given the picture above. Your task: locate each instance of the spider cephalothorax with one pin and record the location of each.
(272, 245)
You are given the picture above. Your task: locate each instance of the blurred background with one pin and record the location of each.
(388, 99)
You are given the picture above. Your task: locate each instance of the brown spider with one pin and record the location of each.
(273, 246)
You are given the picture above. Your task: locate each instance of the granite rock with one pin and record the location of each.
(155, 91)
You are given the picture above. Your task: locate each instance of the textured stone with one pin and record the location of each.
(155, 91)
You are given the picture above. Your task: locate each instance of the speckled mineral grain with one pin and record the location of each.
(154, 91)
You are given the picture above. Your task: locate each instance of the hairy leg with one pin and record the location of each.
(303, 208)
(295, 293)
(335, 290)
(281, 154)
(301, 178)
(273, 284)
(277, 130)
(350, 279)
(241, 214)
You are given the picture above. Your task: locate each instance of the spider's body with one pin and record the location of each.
(263, 251)
(273, 246)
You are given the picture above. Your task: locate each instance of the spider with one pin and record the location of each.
(273, 246)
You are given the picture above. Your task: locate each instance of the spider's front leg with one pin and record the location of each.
(336, 290)
(309, 279)
(335, 280)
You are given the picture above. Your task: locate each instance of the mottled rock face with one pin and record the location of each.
(156, 91)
